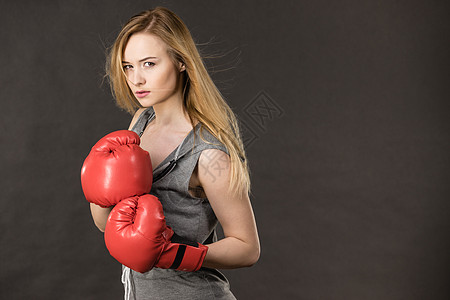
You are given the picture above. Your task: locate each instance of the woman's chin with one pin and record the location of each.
(146, 102)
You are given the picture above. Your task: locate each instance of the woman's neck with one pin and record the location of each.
(171, 114)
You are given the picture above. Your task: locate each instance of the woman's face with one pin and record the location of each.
(151, 74)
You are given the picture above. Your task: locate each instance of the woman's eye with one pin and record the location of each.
(149, 64)
(126, 67)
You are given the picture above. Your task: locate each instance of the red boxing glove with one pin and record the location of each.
(137, 236)
(115, 169)
(181, 254)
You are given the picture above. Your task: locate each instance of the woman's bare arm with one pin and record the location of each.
(100, 215)
(240, 247)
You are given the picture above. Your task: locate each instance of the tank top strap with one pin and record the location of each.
(144, 118)
(200, 140)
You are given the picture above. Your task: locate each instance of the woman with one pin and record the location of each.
(157, 74)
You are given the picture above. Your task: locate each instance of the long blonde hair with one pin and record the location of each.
(202, 99)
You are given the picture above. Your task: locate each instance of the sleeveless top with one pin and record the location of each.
(190, 217)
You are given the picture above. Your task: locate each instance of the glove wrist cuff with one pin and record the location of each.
(182, 257)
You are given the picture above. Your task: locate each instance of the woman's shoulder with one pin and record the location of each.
(207, 140)
(138, 114)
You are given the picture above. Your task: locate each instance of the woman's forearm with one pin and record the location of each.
(100, 216)
(231, 253)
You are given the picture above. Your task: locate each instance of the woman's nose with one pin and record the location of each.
(136, 78)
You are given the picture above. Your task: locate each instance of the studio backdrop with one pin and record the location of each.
(344, 108)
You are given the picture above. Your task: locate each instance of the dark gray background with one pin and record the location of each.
(350, 176)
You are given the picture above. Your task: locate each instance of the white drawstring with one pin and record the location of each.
(126, 282)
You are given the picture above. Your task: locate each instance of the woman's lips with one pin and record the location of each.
(141, 94)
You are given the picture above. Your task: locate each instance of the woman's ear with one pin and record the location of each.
(182, 67)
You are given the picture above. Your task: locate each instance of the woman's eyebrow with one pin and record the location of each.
(145, 58)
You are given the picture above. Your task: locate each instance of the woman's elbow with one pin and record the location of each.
(253, 256)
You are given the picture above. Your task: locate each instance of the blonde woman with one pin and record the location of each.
(200, 168)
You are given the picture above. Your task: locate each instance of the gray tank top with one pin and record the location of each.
(189, 216)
